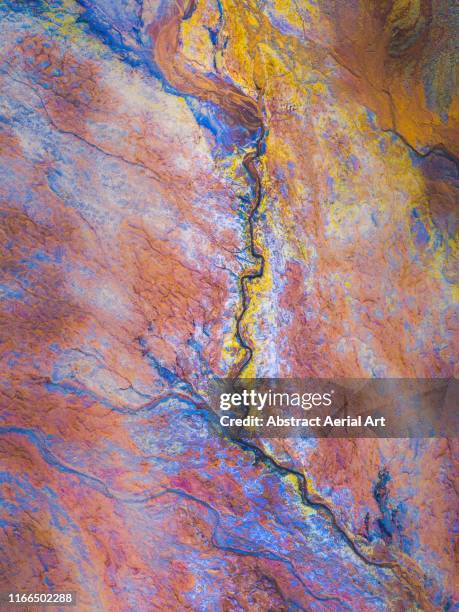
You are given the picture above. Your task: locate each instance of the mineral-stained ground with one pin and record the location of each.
(229, 188)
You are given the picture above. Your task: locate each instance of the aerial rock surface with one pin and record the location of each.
(201, 189)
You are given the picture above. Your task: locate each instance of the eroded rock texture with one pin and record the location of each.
(223, 188)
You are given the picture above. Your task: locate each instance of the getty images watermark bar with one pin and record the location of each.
(337, 408)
